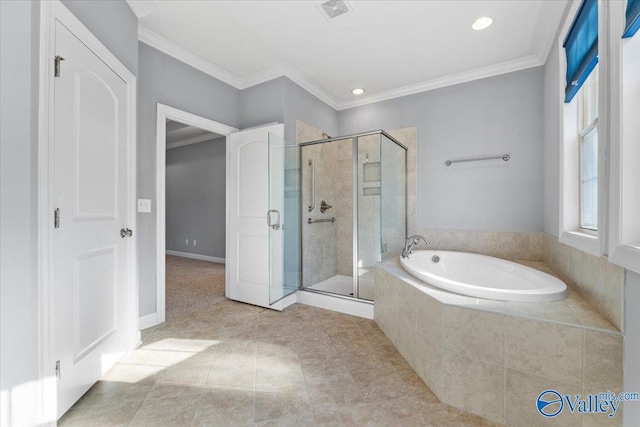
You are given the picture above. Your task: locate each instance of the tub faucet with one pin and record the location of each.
(411, 241)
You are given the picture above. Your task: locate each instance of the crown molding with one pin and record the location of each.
(307, 84)
(440, 82)
(160, 43)
(142, 8)
(285, 70)
(194, 140)
(548, 24)
(264, 75)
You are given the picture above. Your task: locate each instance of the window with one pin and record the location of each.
(624, 220)
(588, 152)
(581, 164)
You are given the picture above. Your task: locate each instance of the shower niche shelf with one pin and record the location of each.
(371, 179)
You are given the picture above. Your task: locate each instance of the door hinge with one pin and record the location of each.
(57, 60)
(57, 369)
(56, 218)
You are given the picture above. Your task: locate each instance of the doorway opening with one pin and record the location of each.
(194, 212)
(191, 209)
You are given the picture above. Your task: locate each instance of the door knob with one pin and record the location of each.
(126, 232)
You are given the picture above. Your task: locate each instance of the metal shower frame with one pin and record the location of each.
(354, 145)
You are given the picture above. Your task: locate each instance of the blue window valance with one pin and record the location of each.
(633, 18)
(581, 47)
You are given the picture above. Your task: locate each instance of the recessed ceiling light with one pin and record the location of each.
(357, 91)
(482, 23)
(334, 8)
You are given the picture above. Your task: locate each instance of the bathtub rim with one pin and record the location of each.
(596, 321)
(509, 295)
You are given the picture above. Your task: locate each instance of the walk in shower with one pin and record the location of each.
(353, 210)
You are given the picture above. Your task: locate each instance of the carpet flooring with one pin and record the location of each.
(192, 284)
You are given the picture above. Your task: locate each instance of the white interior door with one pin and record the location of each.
(248, 241)
(90, 257)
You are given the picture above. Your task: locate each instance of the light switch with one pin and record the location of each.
(144, 205)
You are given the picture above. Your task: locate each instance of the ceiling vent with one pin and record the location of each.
(334, 8)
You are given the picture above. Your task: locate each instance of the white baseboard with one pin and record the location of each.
(147, 321)
(196, 256)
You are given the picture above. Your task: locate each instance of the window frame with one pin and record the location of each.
(585, 127)
(570, 232)
(624, 235)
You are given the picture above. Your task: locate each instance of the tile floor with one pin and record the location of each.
(226, 364)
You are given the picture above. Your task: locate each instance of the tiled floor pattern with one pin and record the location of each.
(232, 364)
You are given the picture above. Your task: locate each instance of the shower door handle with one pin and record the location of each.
(276, 225)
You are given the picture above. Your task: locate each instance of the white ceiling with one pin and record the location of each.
(391, 48)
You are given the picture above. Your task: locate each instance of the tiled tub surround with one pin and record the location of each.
(493, 358)
(597, 280)
(499, 244)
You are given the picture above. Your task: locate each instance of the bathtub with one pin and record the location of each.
(483, 276)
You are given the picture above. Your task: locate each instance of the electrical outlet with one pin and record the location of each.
(194, 242)
(186, 242)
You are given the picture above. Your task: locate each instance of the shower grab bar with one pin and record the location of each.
(504, 157)
(313, 221)
(313, 186)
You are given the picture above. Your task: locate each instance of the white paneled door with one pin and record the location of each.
(249, 266)
(91, 286)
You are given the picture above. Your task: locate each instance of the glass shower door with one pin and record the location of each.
(284, 218)
(368, 182)
(393, 197)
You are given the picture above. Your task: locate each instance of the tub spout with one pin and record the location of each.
(411, 241)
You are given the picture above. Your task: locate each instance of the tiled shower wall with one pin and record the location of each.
(337, 180)
(327, 246)
(409, 138)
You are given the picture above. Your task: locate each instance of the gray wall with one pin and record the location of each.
(18, 208)
(497, 115)
(163, 79)
(551, 163)
(115, 25)
(281, 100)
(262, 104)
(301, 105)
(196, 198)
